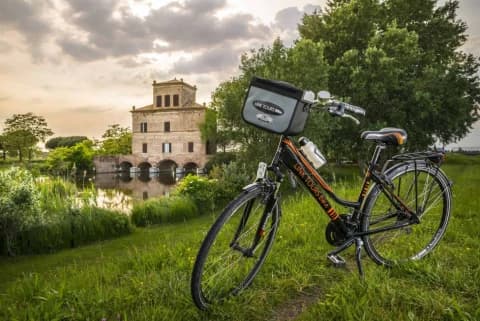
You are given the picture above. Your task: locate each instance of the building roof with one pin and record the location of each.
(150, 108)
(174, 81)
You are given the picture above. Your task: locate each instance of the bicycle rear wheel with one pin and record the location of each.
(235, 247)
(423, 188)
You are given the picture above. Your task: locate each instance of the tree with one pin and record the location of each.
(400, 59)
(117, 140)
(23, 131)
(68, 141)
(3, 147)
(19, 142)
(63, 159)
(209, 133)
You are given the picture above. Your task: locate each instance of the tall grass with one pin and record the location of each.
(163, 210)
(70, 219)
(145, 276)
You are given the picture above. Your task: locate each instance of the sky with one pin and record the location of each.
(82, 64)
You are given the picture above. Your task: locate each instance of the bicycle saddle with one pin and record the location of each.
(389, 136)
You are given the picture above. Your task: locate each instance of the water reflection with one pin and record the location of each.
(139, 186)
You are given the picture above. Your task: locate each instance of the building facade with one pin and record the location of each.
(166, 133)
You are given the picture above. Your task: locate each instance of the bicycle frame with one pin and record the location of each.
(290, 156)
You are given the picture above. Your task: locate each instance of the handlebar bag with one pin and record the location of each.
(276, 106)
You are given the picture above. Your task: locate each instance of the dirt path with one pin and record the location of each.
(291, 309)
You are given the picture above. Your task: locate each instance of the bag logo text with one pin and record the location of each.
(268, 107)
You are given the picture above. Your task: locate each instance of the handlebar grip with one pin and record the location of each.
(354, 109)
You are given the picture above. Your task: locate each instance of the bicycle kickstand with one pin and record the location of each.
(358, 256)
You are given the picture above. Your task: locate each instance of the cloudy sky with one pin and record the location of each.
(82, 64)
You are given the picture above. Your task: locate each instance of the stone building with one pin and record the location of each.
(167, 131)
(165, 134)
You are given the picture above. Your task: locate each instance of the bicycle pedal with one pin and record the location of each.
(337, 260)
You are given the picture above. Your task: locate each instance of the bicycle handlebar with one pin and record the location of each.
(339, 108)
(354, 109)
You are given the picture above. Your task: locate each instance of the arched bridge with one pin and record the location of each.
(134, 163)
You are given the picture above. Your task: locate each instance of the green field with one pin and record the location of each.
(145, 276)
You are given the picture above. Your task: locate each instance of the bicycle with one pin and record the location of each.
(401, 213)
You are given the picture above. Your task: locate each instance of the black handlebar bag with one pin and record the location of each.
(277, 107)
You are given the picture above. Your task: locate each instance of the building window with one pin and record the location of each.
(167, 100)
(190, 147)
(175, 100)
(166, 126)
(143, 127)
(144, 147)
(166, 147)
(159, 101)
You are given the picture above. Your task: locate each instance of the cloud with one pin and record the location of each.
(216, 59)
(287, 20)
(113, 31)
(26, 18)
(472, 45)
(78, 50)
(90, 109)
(5, 47)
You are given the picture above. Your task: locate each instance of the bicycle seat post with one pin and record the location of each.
(376, 155)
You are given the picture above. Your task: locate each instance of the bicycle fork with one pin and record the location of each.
(260, 232)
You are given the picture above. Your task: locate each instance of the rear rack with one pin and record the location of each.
(433, 156)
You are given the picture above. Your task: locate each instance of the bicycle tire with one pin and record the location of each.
(414, 241)
(203, 283)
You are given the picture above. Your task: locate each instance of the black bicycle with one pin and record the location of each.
(401, 213)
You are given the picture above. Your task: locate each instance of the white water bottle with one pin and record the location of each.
(311, 152)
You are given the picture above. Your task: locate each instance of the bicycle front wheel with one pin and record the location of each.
(426, 190)
(235, 247)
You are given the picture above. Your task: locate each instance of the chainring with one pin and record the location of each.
(334, 235)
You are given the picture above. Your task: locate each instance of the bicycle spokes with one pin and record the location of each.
(403, 237)
(236, 249)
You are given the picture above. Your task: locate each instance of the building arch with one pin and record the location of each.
(167, 171)
(125, 166)
(190, 167)
(167, 165)
(144, 166)
(144, 174)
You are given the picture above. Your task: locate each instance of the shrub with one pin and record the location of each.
(163, 210)
(200, 189)
(19, 206)
(219, 159)
(230, 178)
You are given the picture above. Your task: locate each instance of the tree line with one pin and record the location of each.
(399, 59)
(23, 132)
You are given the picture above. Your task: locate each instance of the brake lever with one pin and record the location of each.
(352, 118)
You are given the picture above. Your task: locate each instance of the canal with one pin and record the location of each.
(120, 190)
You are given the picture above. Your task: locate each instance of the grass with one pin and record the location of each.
(146, 275)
